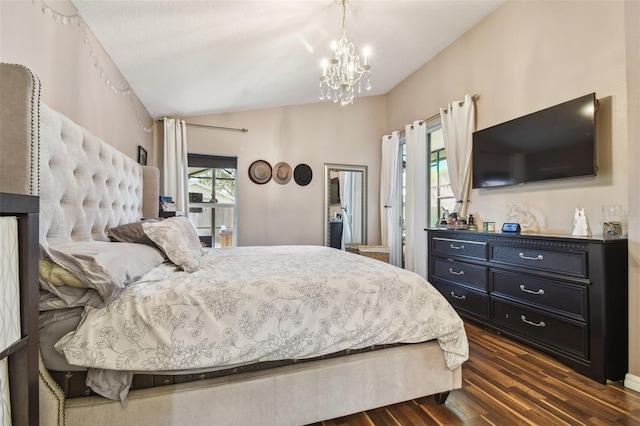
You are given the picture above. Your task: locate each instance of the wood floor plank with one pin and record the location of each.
(611, 395)
(467, 407)
(497, 372)
(506, 377)
(410, 414)
(508, 383)
(633, 415)
(442, 414)
(498, 401)
(537, 383)
(589, 402)
(545, 408)
(382, 417)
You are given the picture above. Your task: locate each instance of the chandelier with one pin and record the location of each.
(343, 73)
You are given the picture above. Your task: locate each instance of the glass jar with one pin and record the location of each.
(612, 224)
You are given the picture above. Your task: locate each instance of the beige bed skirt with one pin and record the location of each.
(292, 395)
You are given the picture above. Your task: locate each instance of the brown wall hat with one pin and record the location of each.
(282, 173)
(260, 172)
(302, 174)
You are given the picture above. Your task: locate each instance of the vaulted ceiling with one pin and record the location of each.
(185, 57)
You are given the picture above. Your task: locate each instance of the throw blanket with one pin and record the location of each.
(252, 304)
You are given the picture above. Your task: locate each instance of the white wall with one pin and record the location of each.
(314, 134)
(71, 84)
(524, 57)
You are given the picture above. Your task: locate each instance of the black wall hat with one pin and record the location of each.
(302, 174)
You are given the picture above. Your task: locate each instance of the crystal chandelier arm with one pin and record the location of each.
(344, 71)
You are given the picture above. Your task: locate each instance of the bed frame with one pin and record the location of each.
(85, 187)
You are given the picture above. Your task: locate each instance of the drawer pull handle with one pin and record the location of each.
(457, 297)
(538, 257)
(460, 247)
(526, 321)
(526, 290)
(455, 273)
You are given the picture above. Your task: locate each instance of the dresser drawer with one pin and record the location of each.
(566, 299)
(572, 263)
(562, 334)
(460, 272)
(464, 299)
(454, 247)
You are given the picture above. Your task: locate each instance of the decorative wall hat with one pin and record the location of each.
(260, 172)
(302, 174)
(282, 173)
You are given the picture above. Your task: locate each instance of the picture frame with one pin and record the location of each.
(142, 155)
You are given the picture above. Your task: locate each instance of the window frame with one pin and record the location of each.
(214, 162)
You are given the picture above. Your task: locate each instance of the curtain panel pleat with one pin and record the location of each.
(389, 197)
(356, 208)
(416, 199)
(346, 207)
(457, 127)
(175, 176)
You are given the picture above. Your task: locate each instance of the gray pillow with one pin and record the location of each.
(105, 266)
(178, 238)
(131, 233)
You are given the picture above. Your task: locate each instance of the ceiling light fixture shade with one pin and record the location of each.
(344, 72)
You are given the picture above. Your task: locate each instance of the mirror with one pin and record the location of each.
(345, 205)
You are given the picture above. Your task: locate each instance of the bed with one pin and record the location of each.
(292, 309)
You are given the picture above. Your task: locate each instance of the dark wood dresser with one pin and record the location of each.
(564, 295)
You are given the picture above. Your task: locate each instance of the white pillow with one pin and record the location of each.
(178, 238)
(105, 266)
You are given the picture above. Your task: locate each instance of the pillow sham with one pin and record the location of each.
(178, 238)
(105, 266)
(131, 233)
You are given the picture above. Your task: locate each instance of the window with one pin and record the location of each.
(441, 195)
(212, 198)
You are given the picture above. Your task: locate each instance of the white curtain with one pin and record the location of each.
(457, 128)
(416, 199)
(389, 198)
(346, 191)
(175, 163)
(356, 207)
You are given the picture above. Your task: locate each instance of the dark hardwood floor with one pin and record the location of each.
(507, 383)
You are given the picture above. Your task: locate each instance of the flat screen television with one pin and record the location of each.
(556, 142)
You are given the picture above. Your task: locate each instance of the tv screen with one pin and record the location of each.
(556, 142)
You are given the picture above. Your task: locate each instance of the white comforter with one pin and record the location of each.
(251, 304)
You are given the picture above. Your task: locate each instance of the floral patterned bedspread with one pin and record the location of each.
(251, 304)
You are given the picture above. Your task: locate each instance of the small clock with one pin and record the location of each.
(511, 227)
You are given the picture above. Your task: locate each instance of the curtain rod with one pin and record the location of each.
(229, 129)
(473, 98)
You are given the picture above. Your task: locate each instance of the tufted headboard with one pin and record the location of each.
(85, 185)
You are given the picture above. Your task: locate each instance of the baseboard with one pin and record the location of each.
(632, 382)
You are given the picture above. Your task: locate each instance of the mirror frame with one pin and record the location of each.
(328, 168)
